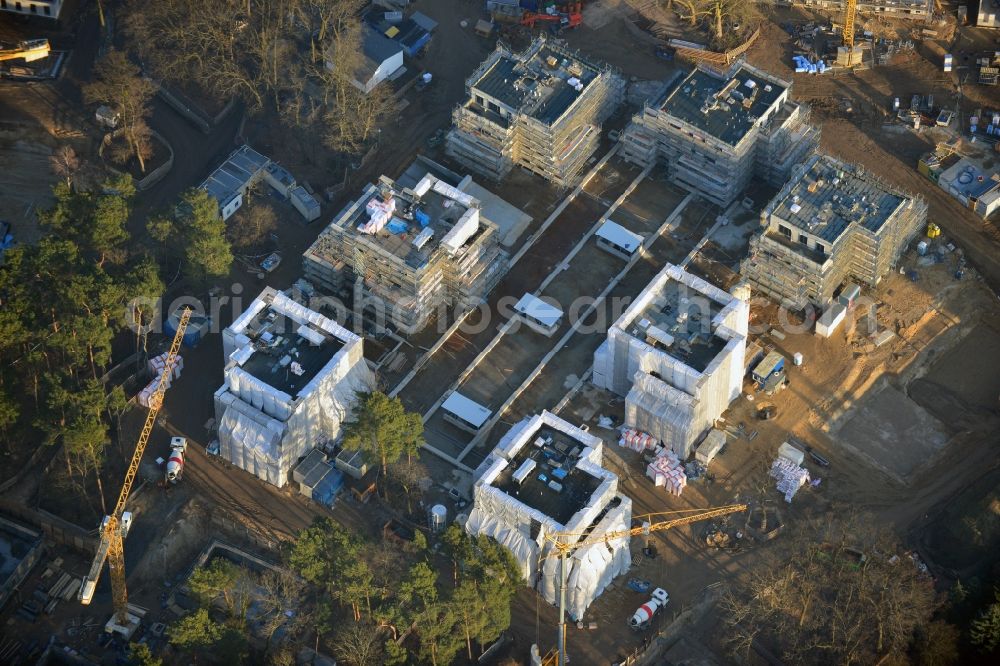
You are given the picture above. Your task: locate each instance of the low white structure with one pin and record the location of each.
(382, 57)
(974, 185)
(464, 413)
(831, 320)
(619, 241)
(544, 483)
(291, 377)
(677, 355)
(245, 168)
(539, 315)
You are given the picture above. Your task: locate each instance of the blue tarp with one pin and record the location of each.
(326, 491)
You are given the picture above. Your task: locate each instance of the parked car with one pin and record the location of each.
(664, 53)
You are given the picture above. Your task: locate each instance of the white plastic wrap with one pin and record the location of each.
(455, 194)
(463, 230)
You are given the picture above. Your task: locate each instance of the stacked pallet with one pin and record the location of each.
(156, 365)
(636, 440)
(790, 477)
(667, 471)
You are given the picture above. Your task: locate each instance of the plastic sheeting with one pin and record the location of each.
(268, 430)
(463, 230)
(663, 411)
(511, 523)
(591, 568)
(253, 444)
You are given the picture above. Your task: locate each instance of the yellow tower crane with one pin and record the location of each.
(31, 49)
(114, 528)
(850, 9)
(563, 545)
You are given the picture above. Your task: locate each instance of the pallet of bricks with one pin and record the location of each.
(155, 367)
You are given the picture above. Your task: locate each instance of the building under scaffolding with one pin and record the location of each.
(904, 9)
(544, 482)
(832, 221)
(714, 132)
(677, 355)
(407, 250)
(541, 109)
(291, 380)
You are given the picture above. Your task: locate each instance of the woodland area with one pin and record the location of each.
(294, 59)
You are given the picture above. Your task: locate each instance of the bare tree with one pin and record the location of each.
(119, 84)
(838, 593)
(251, 225)
(65, 163)
(360, 644)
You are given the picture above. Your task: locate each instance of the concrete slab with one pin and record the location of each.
(511, 220)
(895, 433)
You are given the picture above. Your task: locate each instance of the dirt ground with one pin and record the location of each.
(942, 365)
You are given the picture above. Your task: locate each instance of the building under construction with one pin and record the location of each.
(715, 132)
(541, 109)
(291, 379)
(544, 483)
(408, 249)
(677, 355)
(832, 221)
(904, 9)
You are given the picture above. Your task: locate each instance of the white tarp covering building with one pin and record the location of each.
(677, 355)
(566, 493)
(291, 377)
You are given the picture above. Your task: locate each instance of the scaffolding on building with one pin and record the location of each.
(540, 109)
(832, 221)
(409, 271)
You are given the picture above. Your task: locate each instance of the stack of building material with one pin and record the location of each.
(790, 476)
(146, 393)
(802, 65)
(156, 364)
(636, 440)
(667, 471)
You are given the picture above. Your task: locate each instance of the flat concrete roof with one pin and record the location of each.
(555, 462)
(725, 108)
(830, 195)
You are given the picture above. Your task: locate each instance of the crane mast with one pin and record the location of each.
(850, 9)
(29, 50)
(115, 527)
(563, 548)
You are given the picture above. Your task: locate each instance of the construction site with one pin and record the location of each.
(831, 222)
(715, 132)
(699, 306)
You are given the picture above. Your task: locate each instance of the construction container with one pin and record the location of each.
(774, 362)
(947, 62)
(831, 320)
(789, 452)
(849, 295)
(710, 448)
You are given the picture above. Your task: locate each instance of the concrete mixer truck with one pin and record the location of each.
(175, 463)
(644, 614)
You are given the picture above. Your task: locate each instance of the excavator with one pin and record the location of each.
(29, 50)
(114, 528)
(563, 17)
(563, 545)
